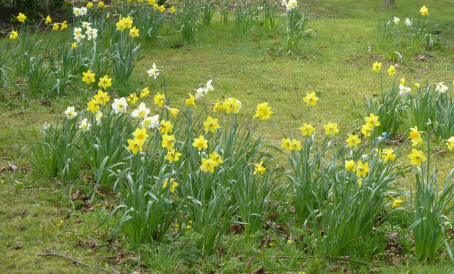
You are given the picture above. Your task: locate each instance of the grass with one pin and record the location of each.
(335, 63)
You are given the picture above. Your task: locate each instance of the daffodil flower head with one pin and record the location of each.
(140, 134)
(93, 105)
(263, 111)
(391, 70)
(353, 140)
(166, 127)
(232, 105)
(70, 112)
(310, 99)
(173, 156)
(362, 169)
(350, 165)
(153, 72)
(377, 66)
(191, 100)
(144, 93)
(372, 121)
(151, 122)
(417, 157)
(88, 77)
(200, 143)
(132, 98)
(105, 82)
(168, 141)
(259, 168)
(141, 112)
(159, 99)
(307, 129)
(331, 129)
(424, 11)
(102, 97)
(120, 105)
(211, 124)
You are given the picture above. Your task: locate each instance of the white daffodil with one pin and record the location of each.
(151, 122)
(209, 87)
(120, 105)
(403, 90)
(85, 125)
(86, 25)
(408, 22)
(83, 11)
(396, 20)
(77, 31)
(70, 112)
(98, 117)
(140, 112)
(441, 87)
(199, 93)
(77, 12)
(91, 33)
(78, 37)
(291, 4)
(153, 72)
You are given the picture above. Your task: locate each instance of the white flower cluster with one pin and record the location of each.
(80, 11)
(90, 33)
(200, 92)
(290, 4)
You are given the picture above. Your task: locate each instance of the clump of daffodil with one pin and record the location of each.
(259, 168)
(377, 66)
(263, 111)
(165, 127)
(168, 141)
(415, 136)
(173, 156)
(310, 99)
(307, 129)
(331, 129)
(391, 70)
(124, 23)
(353, 140)
(417, 157)
(211, 124)
(200, 143)
(231, 105)
(132, 98)
(290, 145)
(88, 77)
(159, 99)
(450, 143)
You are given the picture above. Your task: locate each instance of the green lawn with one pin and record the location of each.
(335, 62)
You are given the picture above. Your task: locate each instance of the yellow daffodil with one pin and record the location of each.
(166, 127)
(48, 20)
(372, 121)
(214, 156)
(174, 112)
(168, 141)
(417, 157)
(387, 154)
(310, 99)
(173, 187)
(231, 105)
(417, 85)
(64, 25)
(263, 111)
(144, 93)
(353, 140)
(93, 105)
(259, 168)
(450, 143)
(350, 165)
(21, 17)
(140, 134)
(331, 129)
(362, 169)
(162, 8)
(102, 97)
(377, 66)
(56, 26)
(159, 99)
(424, 11)
(90, 5)
(88, 77)
(391, 70)
(172, 9)
(403, 81)
(366, 130)
(191, 100)
(208, 165)
(135, 145)
(211, 124)
(287, 144)
(134, 32)
(307, 129)
(132, 98)
(397, 203)
(100, 4)
(200, 143)
(105, 82)
(296, 144)
(74, 45)
(173, 156)
(13, 35)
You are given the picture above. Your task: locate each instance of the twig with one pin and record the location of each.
(74, 261)
(277, 230)
(71, 198)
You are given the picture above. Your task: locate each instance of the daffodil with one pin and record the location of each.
(200, 143)
(13, 35)
(391, 70)
(172, 9)
(310, 99)
(372, 121)
(132, 98)
(151, 122)
(159, 99)
(397, 203)
(141, 112)
(88, 77)
(353, 140)
(287, 144)
(218, 106)
(350, 165)
(307, 129)
(417, 85)
(331, 129)
(259, 168)
(134, 32)
(450, 143)
(231, 105)
(168, 141)
(417, 157)
(70, 112)
(120, 105)
(98, 116)
(21, 17)
(191, 100)
(102, 97)
(64, 25)
(48, 20)
(377, 66)
(144, 93)
(173, 187)
(135, 145)
(89, 4)
(173, 111)
(362, 169)
(211, 124)
(91, 33)
(153, 72)
(173, 156)
(214, 156)
(366, 130)
(396, 20)
(162, 8)
(84, 125)
(424, 11)
(100, 4)
(93, 105)
(166, 127)
(403, 90)
(296, 144)
(263, 111)
(208, 165)
(441, 88)
(408, 22)
(105, 82)
(140, 134)
(56, 26)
